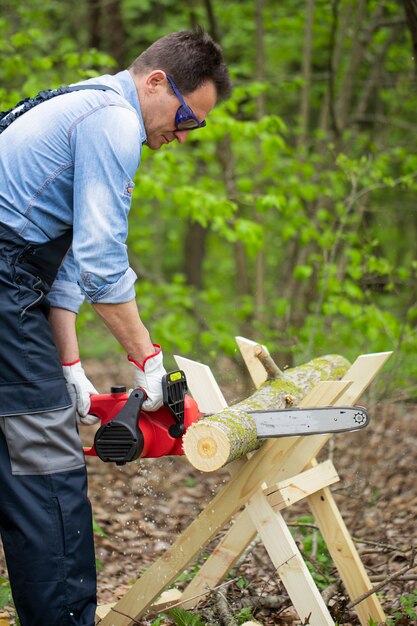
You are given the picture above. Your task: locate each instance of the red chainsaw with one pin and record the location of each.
(128, 432)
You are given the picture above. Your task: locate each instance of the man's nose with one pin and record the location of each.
(181, 135)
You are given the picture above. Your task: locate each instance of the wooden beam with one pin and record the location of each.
(345, 555)
(202, 385)
(289, 563)
(243, 532)
(296, 488)
(256, 369)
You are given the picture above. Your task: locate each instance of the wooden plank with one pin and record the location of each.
(298, 487)
(345, 555)
(221, 560)
(242, 532)
(202, 385)
(255, 367)
(328, 517)
(289, 563)
(363, 371)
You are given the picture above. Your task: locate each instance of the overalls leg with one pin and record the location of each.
(46, 528)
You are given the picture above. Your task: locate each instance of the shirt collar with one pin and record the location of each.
(129, 92)
(123, 83)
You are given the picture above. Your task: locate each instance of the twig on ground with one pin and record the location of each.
(225, 616)
(265, 602)
(385, 582)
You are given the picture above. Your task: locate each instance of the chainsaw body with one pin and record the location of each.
(128, 432)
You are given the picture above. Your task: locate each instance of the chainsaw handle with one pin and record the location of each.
(139, 391)
(105, 406)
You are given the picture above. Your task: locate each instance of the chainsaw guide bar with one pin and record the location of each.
(314, 421)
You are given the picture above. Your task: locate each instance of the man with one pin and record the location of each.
(66, 182)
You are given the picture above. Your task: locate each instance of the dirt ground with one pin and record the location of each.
(142, 507)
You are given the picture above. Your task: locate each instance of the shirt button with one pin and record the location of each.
(21, 258)
(19, 280)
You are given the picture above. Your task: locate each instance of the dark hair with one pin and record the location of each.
(191, 57)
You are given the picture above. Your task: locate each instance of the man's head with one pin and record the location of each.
(179, 79)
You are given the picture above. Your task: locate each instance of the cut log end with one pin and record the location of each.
(206, 447)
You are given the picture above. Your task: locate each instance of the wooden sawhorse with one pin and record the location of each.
(281, 472)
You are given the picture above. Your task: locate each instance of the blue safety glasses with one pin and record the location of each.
(184, 117)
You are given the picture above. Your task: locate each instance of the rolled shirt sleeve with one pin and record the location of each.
(106, 146)
(65, 292)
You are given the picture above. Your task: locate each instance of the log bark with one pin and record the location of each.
(218, 439)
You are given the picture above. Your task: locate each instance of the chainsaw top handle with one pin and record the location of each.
(174, 388)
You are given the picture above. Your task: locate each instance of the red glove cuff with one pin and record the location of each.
(141, 366)
(73, 363)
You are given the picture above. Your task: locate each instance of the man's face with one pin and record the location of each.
(159, 106)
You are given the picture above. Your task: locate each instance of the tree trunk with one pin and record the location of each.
(411, 15)
(194, 253)
(115, 32)
(307, 60)
(94, 21)
(219, 439)
(260, 112)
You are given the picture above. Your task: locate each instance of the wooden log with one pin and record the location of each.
(229, 434)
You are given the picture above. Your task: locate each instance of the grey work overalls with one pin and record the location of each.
(45, 515)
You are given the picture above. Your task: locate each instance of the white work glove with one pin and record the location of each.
(75, 375)
(148, 375)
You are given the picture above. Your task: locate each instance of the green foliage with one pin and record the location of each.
(315, 551)
(308, 235)
(5, 593)
(6, 598)
(101, 533)
(186, 618)
(37, 51)
(244, 615)
(407, 613)
(98, 530)
(188, 575)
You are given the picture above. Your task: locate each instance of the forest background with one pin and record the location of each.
(291, 218)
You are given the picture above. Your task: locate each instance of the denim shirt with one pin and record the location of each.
(70, 161)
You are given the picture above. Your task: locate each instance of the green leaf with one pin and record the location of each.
(21, 39)
(5, 594)
(302, 272)
(185, 618)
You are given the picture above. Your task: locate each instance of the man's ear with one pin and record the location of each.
(154, 80)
